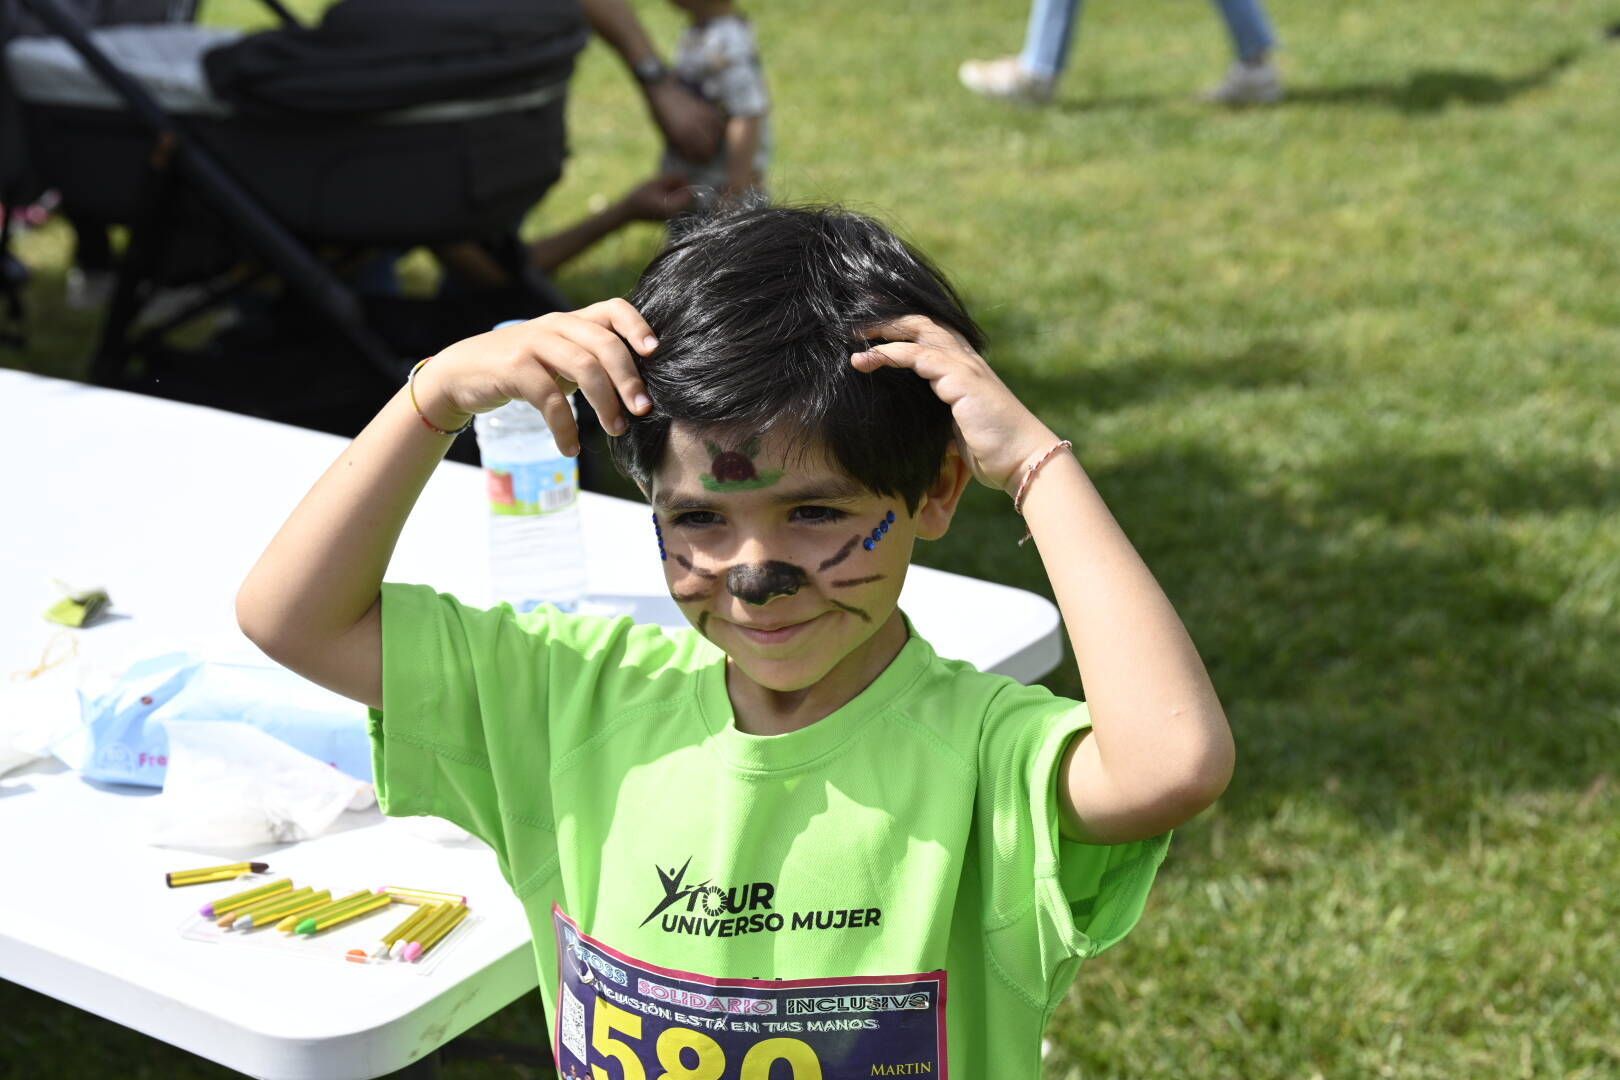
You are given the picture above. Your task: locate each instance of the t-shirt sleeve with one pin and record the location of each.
(473, 701)
(1050, 902)
(739, 82)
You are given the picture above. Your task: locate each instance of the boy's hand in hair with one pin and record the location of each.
(541, 361)
(995, 432)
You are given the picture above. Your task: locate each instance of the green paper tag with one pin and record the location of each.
(79, 609)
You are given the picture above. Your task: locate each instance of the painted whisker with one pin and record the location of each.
(850, 582)
(841, 555)
(686, 564)
(853, 611)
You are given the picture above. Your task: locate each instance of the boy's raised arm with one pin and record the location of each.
(313, 600)
(1159, 750)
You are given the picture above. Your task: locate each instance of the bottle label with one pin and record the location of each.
(532, 487)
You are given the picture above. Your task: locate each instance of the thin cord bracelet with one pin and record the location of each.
(1029, 476)
(410, 385)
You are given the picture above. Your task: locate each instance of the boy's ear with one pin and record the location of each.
(939, 502)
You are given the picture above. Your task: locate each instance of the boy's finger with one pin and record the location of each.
(604, 398)
(613, 357)
(918, 328)
(620, 316)
(566, 358)
(925, 360)
(536, 386)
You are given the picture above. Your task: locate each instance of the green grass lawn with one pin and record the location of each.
(1346, 370)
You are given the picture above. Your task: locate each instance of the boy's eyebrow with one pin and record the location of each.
(821, 491)
(833, 489)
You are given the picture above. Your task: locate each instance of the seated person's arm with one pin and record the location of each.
(658, 199)
(313, 600)
(690, 124)
(742, 149)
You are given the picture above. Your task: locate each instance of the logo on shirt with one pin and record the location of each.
(705, 909)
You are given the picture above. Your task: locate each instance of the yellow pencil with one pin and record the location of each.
(409, 923)
(286, 925)
(243, 899)
(406, 925)
(205, 874)
(422, 896)
(427, 913)
(439, 933)
(270, 901)
(413, 946)
(269, 916)
(314, 924)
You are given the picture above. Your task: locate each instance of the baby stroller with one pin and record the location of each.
(293, 156)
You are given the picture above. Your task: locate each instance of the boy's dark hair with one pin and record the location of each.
(757, 310)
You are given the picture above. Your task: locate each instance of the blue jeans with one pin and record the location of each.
(1052, 24)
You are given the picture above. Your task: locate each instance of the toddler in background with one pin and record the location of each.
(718, 59)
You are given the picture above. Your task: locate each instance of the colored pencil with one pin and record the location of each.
(406, 926)
(438, 934)
(243, 899)
(421, 896)
(273, 900)
(204, 875)
(314, 924)
(413, 946)
(270, 916)
(288, 924)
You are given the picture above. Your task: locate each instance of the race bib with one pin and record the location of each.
(619, 1018)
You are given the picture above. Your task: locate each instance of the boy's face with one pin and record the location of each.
(774, 558)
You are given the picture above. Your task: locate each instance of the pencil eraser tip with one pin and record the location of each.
(206, 911)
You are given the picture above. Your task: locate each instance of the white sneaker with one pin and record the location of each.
(1005, 79)
(1247, 84)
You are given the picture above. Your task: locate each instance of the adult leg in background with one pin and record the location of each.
(1032, 75)
(1252, 79)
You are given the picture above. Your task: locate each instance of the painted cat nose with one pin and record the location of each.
(760, 583)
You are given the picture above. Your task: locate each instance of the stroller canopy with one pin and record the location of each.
(375, 55)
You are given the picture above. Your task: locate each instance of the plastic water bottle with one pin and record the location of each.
(536, 551)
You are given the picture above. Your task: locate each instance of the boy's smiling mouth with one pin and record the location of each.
(773, 635)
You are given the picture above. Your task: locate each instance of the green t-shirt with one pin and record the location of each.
(877, 894)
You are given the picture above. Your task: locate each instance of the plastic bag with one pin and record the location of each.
(123, 739)
(233, 785)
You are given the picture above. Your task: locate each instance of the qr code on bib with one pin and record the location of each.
(572, 1024)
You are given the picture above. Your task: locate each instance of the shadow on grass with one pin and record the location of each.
(1431, 90)
(1424, 91)
(1383, 639)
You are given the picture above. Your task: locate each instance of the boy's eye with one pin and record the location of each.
(697, 518)
(817, 514)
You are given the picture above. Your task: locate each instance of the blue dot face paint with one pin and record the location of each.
(658, 531)
(879, 531)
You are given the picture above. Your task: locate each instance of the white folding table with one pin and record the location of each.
(167, 506)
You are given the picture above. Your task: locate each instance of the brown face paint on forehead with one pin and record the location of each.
(734, 470)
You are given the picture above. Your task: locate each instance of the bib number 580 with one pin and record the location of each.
(684, 1054)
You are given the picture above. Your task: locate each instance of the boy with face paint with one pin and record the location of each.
(792, 840)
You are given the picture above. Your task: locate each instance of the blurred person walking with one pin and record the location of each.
(1032, 75)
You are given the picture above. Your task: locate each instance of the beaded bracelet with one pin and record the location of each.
(1029, 476)
(410, 385)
